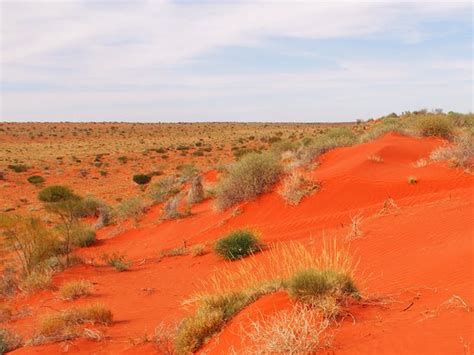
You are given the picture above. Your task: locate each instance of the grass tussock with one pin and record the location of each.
(295, 187)
(117, 261)
(36, 281)
(237, 245)
(75, 289)
(298, 330)
(66, 324)
(229, 291)
(460, 154)
(253, 175)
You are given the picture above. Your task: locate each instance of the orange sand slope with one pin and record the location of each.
(418, 256)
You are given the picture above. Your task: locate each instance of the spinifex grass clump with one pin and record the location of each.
(324, 289)
(65, 324)
(230, 290)
(237, 245)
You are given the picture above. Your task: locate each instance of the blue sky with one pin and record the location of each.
(234, 61)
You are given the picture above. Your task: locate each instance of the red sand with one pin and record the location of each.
(421, 254)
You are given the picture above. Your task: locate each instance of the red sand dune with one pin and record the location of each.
(420, 256)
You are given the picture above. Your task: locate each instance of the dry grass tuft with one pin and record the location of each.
(355, 231)
(296, 331)
(65, 324)
(36, 281)
(461, 154)
(9, 341)
(75, 289)
(375, 158)
(296, 186)
(389, 206)
(198, 250)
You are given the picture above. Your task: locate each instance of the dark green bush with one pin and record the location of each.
(141, 179)
(18, 168)
(57, 193)
(35, 179)
(237, 245)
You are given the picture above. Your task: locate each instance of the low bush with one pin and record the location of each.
(237, 245)
(163, 189)
(32, 242)
(35, 179)
(75, 289)
(141, 179)
(131, 208)
(57, 193)
(90, 207)
(435, 125)
(18, 168)
(83, 236)
(248, 178)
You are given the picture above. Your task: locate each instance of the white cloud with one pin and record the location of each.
(130, 54)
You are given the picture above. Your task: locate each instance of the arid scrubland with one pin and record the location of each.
(63, 184)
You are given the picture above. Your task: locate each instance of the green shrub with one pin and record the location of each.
(248, 178)
(141, 179)
(90, 207)
(35, 179)
(237, 245)
(57, 193)
(83, 237)
(434, 125)
(311, 285)
(18, 168)
(131, 208)
(163, 189)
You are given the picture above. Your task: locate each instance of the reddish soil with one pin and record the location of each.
(417, 257)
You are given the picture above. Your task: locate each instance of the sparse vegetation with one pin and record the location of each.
(296, 186)
(65, 324)
(459, 154)
(435, 125)
(117, 261)
(237, 245)
(82, 236)
(75, 289)
(412, 180)
(248, 178)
